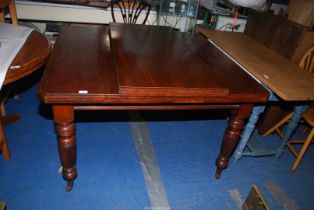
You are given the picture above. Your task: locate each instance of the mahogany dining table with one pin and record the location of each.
(140, 67)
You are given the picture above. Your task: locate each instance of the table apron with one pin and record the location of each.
(154, 107)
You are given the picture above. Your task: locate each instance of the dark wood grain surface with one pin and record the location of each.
(286, 37)
(142, 64)
(81, 61)
(137, 67)
(33, 54)
(156, 61)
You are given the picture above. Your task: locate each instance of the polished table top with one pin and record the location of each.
(281, 75)
(137, 67)
(136, 64)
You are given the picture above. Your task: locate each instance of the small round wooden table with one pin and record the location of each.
(30, 58)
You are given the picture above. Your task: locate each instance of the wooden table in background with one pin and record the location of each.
(285, 80)
(30, 58)
(136, 67)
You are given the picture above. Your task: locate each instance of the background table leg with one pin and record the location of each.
(231, 136)
(248, 130)
(65, 129)
(298, 111)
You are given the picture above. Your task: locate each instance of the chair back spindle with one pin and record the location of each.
(131, 10)
(307, 62)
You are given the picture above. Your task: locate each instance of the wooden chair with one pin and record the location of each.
(3, 144)
(307, 64)
(12, 10)
(131, 10)
(308, 117)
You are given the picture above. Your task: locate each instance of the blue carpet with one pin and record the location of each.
(109, 173)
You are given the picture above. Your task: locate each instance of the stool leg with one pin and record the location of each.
(13, 14)
(1, 15)
(279, 124)
(2, 108)
(4, 146)
(298, 111)
(303, 150)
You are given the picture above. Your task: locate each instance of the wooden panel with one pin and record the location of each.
(274, 32)
(305, 43)
(255, 200)
(301, 11)
(80, 65)
(157, 61)
(4, 3)
(282, 76)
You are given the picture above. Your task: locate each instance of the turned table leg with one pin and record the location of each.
(231, 136)
(65, 129)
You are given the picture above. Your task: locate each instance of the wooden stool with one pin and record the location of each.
(12, 11)
(308, 117)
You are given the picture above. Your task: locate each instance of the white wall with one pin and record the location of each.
(66, 13)
(39, 11)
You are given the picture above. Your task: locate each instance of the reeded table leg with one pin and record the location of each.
(65, 129)
(231, 136)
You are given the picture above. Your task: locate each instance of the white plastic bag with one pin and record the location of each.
(254, 4)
